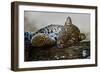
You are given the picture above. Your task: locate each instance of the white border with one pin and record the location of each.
(34, 64)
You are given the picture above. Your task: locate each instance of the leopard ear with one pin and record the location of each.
(68, 21)
(82, 36)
